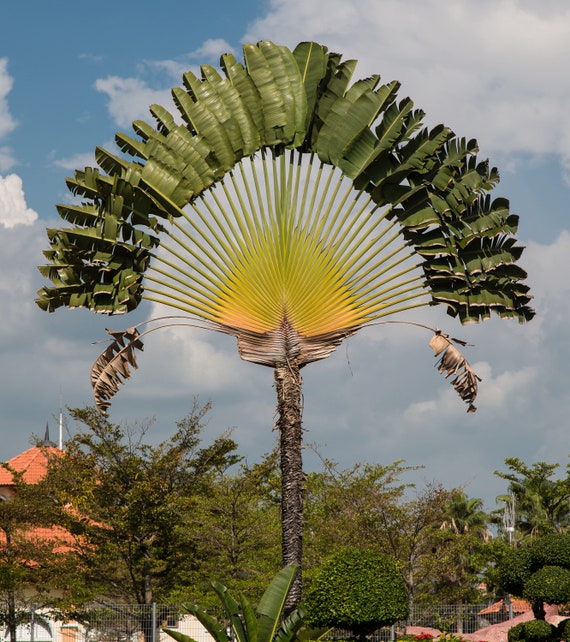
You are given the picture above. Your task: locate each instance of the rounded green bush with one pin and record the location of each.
(550, 584)
(357, 590)
(553, 550)
(515, 569)
(531, 631)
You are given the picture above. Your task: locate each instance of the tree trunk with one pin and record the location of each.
(538, 610)
(289, 412)
(12, 624)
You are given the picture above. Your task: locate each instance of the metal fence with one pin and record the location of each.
(144, 623)
(450, 618)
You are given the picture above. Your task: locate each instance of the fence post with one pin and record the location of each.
(154, 622)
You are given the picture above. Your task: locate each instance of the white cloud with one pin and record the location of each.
(7, 160)
(208, 53)
(7, 122)
(492, 70)
(81, 159)
(129, 98)
(211, 50)
(13, 208)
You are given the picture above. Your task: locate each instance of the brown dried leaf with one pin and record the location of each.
(113, 366)
(452, 362)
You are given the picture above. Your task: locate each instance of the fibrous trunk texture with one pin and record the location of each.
(289, 413)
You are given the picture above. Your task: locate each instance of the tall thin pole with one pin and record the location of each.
(60, 420)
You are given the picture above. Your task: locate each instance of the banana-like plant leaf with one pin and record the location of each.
(452, 362)
(233, 611)
(113, 366)
(214, 628)
(290, 627)
(265, 624)
(183, 637)
(271, 605)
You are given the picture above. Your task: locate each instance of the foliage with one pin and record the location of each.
(371, 506)
(32, 553)
(127, 503)
(550, 584)
(265, 624)
(357, 590)
(462, 549)
(539, 571)
(542, 503)
(220, 213)
(514, 570)
(531, 631)
(235, 529)
(431, 182)
(553, 549)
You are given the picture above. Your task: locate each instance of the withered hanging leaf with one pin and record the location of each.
(113, 366)
(452, 362)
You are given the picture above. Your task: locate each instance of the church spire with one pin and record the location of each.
(47, 441)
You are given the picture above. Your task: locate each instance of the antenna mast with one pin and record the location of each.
(509, 518)
(60, 420)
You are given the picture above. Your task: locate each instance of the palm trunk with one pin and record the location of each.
(289, 412)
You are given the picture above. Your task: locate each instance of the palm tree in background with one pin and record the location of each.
(466, 515)
(290, 207)
(539, 502)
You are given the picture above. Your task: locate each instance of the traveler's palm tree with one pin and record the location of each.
(289, 207)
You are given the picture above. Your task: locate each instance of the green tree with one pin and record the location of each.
(235, 527)
(344, 508)
(30, 552)
(371, 507)
(127, 505)
(538, 571)
(461, 552)
(466, 515)
(290, 209)
(541, 502)
(357, 590)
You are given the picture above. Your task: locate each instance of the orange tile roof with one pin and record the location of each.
(32, 463)
(61, 539)
(519, 606)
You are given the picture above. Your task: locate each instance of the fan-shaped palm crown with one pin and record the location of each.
(293, 207)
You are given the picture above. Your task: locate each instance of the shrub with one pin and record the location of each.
(357, 590)
(514, 570)
(539, 572)
(531, 631)
(550, 584)
(553, 550)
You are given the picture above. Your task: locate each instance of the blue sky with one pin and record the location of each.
(74, 73)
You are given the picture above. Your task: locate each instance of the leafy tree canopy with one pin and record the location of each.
(127, 503)
(540, 501)
(538, 571)
(357, 590)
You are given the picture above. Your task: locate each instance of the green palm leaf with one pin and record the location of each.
(282, 262)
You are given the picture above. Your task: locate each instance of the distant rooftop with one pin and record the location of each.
(32, 463)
